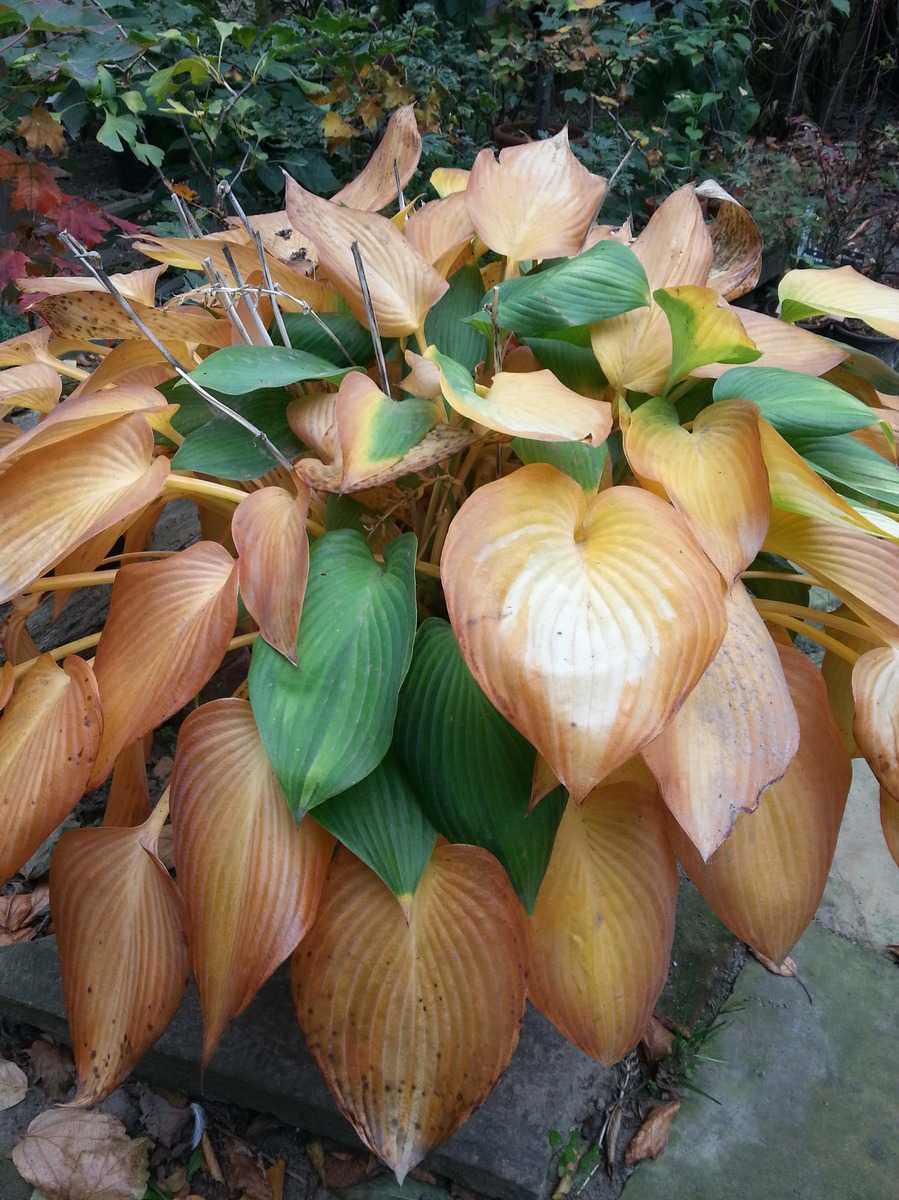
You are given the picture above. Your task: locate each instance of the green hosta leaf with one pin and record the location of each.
(604, 281)
(445, 325)
(582, 462)
(306, 334)
(574, 365)
(220, 446)
(381, 821)
(471, 770)
(328, 722)
(796, 405)
(239, 369)
(849, 463)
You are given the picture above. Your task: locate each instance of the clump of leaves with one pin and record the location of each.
(473, 409)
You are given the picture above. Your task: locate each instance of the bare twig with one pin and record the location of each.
(631, 148)
(400, 198)
(248, 293)
(226, 189)
(372, 319)
(217, 280)
(187, 218)
(86, 258)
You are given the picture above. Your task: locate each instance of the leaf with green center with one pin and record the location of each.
(585, 464)
(445, 326)
(306, 334)
(796, 405)
(471, 770)
(603, 282)
(380, 819)
(222, 447)
(702, 331)
(374, 431)
(328, 722)
(239, 369)
(853, 465)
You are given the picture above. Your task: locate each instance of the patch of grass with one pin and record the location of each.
(678, 1070)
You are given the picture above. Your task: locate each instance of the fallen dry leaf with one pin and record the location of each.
(162, 1120)
(244, 1172)
(343, 1170)
(651, 1138)
(74, 1154)
(657, 1040)
(13, 1085)
(53, 1068)
(40, 131)
(19, 914)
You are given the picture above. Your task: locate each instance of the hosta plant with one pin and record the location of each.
(520, 516)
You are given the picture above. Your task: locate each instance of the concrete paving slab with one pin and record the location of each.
(705, 960)
(862, 896)
(502, 1151)
(807, 1091)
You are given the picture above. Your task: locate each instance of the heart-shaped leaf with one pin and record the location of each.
(600, 937)
(409, 1036)
(585, 619)
(219, 446)
(239, 856)
(796, 405)
(703, 330)
(354, 648)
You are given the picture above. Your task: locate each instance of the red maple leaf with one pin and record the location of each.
(82, 219)
(35, 189)
(12, 266)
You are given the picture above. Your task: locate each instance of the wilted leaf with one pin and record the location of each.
(41, 132)
(238, 854)
(651, 1139)
(782, 345)
(433, 1030)
(736, 244)
(766, 881)
(119, 924)
(374, 431)
(128, 802)
(35, 385)
(164, 1122)
(168, 627)
(714, 476)
(375, 185)
(703, 330)
(875, 692)
(95, 316)
(49, 735)
(269, 531)
(440, 230)
(137, 286)
(600, 937)
(70, 1154)
(13, 1085)
(53, 1068)
(537, 201)
(535, 570)
(842, 292)
(446, 181)
(735, 733)
(656, 1041)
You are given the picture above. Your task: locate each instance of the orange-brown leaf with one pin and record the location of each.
(49, 734)
(766, 880)
(413, 1023)
(91, 316)
(585, 619)
(651, 1139)
(119, 925)
(168, 626)
(782, 345)
(34, 385)
(75, 489)
(440, 229)
(875, 693)
(600, 936)
(137, 286)
(128, 802)
(375, 185)
(250, 877)
(736, 244)
(269, 531)
(714, 476)
(735, 734)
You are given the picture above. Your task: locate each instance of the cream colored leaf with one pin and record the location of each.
(375, 185)
(71, 1154)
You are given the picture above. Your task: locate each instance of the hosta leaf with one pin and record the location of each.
(837, 675)
(875, 694)
(432, 1028)
(440, 230)
(584, 463)
(736, 244)
(445, 326)
(842, 292)
(573, 364)
(119, 925)
(603, 282)
(584, 630)
(49, 735)
(889, 823)
(447, 181)
(766, 880)
(702, 330)
(861, 569)
(91, 316)
(354, 647)
(222, 447)
(137, 286)
(600, 937)
(441, 443)
(735, 734)
(75, 489)
(269, 532)
(714, 476)
(237, 370)
(536, 201)
(374, 431)
(306, 334)
(168, 627)
(397, 152)
(796, 405)
(867, 367)
(403, 286)
(250, 878)
(531, 405)
(34, 385)
(849, 463)
(128, 802)
(782, 345)
(381, 821)
(471, 770)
